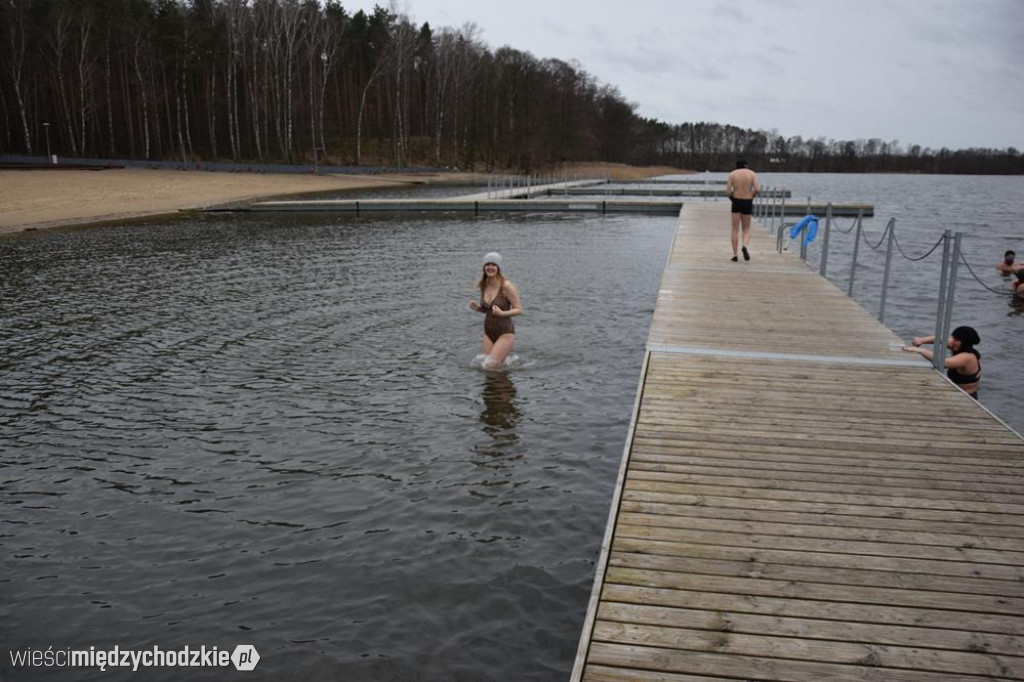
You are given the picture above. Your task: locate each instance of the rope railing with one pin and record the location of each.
(977, 279)
(952, 257)
(919, 258)
(885, 233)
(852, 227)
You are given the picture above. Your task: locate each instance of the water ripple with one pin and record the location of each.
(211, 425)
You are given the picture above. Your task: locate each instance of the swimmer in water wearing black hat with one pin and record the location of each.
(963, 367)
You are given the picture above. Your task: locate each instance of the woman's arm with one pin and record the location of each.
(926, 352)
(918, 341)
(513, 298)
(963, 362)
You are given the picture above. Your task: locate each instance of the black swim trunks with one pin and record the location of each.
(744, 206)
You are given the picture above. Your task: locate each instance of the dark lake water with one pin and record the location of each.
(266, 430)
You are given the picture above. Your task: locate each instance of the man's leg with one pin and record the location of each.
(746, 235)
(735, 235)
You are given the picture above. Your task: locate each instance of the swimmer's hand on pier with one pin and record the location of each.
(916, 344)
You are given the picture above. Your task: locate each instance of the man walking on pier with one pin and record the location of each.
(742, 187)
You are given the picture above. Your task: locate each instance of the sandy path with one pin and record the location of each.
(42, 198)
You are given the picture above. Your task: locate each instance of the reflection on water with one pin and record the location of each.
(500, 415)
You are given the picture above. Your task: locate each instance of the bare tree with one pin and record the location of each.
(13, 13)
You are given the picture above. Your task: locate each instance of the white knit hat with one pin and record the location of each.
(493, 257)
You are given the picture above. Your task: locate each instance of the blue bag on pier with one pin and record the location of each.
(809, 226)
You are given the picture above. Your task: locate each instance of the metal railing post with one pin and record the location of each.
(947, 321)
(856, 250)
(939, 347)
(891, 228)
(776, 195)
(824, 242)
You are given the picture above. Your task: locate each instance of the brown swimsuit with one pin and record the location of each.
(494, 326)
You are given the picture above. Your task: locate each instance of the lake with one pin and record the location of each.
(267, 430)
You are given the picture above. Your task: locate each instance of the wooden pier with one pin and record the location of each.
(798, 499)
(587, 196)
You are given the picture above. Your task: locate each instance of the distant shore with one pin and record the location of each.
(40, 199)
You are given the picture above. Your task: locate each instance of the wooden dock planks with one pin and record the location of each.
(799, 500)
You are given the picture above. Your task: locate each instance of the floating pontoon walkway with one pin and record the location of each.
(799, 500)
(586, 196)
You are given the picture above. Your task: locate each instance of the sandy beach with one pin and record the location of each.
(39, 199)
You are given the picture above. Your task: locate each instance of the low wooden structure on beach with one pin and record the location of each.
(798, 499)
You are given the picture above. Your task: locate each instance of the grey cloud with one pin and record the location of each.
(785, 50)
(731, 13)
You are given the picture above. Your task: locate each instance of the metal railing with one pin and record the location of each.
(770, 204)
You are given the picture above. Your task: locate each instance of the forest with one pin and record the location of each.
(305, 82)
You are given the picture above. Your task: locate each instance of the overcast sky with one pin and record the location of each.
(939, 73)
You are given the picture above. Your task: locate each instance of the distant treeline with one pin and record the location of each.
(299, 81)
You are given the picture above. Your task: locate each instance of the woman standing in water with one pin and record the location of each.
(499, 300)
(963, 367)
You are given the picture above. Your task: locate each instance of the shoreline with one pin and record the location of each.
(44, 199)
(41, 199)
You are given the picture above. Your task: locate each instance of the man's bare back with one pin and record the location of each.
(742, 184)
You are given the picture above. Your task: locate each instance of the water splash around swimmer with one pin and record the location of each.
(487, 363)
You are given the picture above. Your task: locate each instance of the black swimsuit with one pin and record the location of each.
(961, 379)
(495, 327)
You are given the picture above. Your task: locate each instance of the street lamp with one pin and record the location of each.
(312, 113)
(49, 157)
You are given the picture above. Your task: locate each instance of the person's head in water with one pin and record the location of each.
(1008, 257)
(492, 268)
(741, 163)
(963, 340)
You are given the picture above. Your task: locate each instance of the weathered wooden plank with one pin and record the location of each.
(601, 673)
(858, 549)
(902, 565)
(817, 531)
(798, 479)
(982, 624)
(782, 473)
(756, 668)
(739, 438)
(812, 628)
(752, 483)
(882, 523)
(808, 462)
(865, 573)
(725, 641)
(828, 508)
(676, 445)
(981, 604)
(931, 427)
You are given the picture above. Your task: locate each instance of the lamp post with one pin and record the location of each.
(49, 157)
(323, 59)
